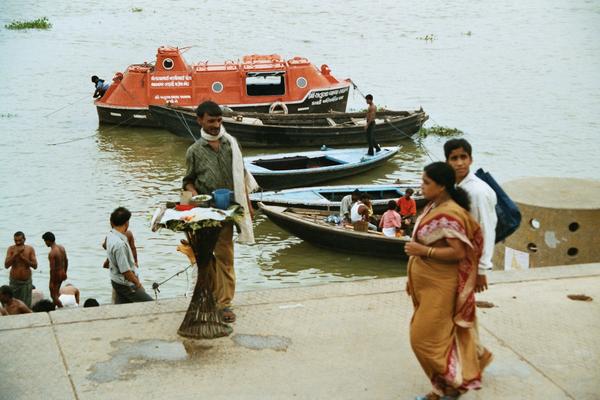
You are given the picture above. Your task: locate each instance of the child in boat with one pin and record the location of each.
(391, 222)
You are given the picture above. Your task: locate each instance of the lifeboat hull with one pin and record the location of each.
(257, 83)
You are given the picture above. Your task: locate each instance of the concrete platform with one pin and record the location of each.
(337, 341)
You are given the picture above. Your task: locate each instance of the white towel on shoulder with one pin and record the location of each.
(243, 184)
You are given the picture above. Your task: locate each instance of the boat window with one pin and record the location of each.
(265, 83)
(168, 63)
(301, 82)
(217, 87)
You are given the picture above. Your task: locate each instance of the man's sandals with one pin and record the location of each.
(227, 315)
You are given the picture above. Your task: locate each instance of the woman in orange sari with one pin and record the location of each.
(442, 269)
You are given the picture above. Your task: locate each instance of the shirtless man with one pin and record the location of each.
(12, 305)
(59, 263)
(370, 126)
(20, 258)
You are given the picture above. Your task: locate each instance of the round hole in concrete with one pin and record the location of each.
(532, 247)
(572, 252)
(534, 223)
(573, 226)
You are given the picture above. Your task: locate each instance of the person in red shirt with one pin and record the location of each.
(408, 208)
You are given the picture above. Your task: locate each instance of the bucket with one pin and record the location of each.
(222, 198)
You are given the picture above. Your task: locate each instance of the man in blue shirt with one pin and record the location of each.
(101, 86)
(123, 271)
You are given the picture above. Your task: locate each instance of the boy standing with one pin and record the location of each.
(483, 202)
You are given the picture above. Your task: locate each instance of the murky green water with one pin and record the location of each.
(524, 85)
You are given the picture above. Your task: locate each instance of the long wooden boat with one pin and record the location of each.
(297, 130)
(310, 225)
(288, 170)
(260, 83)
(329, 197)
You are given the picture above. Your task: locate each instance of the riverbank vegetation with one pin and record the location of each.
(40, 23)
(440, 131)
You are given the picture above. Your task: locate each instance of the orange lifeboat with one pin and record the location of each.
(257, 83)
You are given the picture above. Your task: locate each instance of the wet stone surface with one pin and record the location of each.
(132, 355)
(260, 342)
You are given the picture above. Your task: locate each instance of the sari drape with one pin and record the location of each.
(443, 327)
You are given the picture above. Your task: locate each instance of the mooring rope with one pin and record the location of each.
(181, 117)
(92, 135)
(65, 106)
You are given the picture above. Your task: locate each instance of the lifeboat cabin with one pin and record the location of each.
(259, 83)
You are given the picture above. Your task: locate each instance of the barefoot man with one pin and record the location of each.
(59, 263)
(20, 258)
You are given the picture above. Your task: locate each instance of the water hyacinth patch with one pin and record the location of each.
(40, 23)
(441, 131)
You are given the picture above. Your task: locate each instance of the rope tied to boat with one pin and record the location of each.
(92, 135)
(181, 117)
(419, 142)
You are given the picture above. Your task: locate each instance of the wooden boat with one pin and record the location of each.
(297, 130)
(310, 225)
(288, 170)
(329, 197)
(261, 83)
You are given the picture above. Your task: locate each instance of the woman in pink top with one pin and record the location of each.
(390, 220)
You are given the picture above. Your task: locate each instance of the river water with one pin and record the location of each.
(521, 79)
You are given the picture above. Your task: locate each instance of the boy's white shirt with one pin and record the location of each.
(483, 209)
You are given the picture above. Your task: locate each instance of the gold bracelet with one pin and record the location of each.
(429, 252)
(432, 251)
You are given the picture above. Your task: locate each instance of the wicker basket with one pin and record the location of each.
(361, 226)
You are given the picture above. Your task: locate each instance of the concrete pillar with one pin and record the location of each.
(560, 225)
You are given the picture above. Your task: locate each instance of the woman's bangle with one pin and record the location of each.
(432, 251)
(429, 252)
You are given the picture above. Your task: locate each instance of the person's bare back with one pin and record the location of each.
(59, 263)
(12, 306)
(15, 307)
(70, 290)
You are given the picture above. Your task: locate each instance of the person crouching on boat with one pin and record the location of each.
(362, 211)
(391, 222)
(215, 162)
(101, 87)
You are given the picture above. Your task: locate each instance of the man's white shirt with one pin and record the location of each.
(483, 209)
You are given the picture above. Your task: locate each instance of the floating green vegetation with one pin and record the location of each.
(441, 131)
(379, 109)
(137, 9)
(40, 23)
(468, 33)
(428, 38)
(8, 115)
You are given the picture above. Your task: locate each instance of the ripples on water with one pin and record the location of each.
(524, 86)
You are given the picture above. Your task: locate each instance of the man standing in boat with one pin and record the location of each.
(370, 125)
(215, 162)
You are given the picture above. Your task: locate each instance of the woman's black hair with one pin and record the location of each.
(392, 205)
(443, 174)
